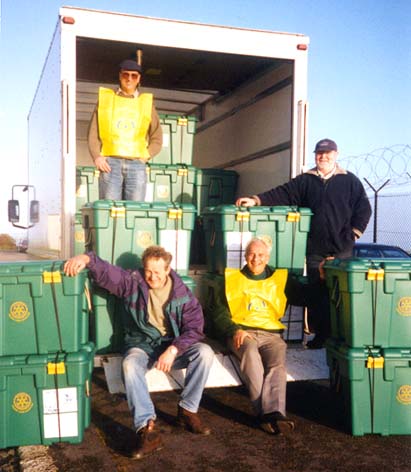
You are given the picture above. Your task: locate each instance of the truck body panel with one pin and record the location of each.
(247, 89)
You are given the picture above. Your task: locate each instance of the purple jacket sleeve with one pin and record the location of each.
(116, 280)
(191, 330)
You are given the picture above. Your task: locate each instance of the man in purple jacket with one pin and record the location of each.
(164, 330)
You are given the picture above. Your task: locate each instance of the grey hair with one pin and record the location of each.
(257, 240)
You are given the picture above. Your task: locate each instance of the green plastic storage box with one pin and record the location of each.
(228, 229)
(45, 399)
(79, 238)
(86, 185)
(374, 385)
(178, 140)
(120, 231)
(370, 302)
(215, 187)
(108, 318)
(42, 309)
(170, 183)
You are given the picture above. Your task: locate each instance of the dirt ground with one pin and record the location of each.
(319, 442)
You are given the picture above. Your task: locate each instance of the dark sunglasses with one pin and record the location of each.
(131, 75)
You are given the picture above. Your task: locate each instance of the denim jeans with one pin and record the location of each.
(197, 359)
(126, 181)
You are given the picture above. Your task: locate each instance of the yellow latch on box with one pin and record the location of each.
(242, 216)
(54, 368)
(52, 277)
(118, 212)
(175, 213)
(375, 274)
(182, 121)
(293, 216)
(375, 362)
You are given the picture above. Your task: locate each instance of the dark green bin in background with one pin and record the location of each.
(228, 229)
(215, 187)
(370, 301)
(120, 231)
(45, 399)
(42, 309)
(178, 139)
(374, 386)
(86, 185)
(170, 183)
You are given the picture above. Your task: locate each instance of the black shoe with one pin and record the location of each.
(316, 343)
(276, 423)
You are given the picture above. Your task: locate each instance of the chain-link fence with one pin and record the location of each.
(391, 224)
(386, 175)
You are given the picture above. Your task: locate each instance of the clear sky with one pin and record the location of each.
(359, 80)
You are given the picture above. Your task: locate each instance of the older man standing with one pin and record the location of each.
(247, 316)
(341, 212)
(163, 329)
(124, 133)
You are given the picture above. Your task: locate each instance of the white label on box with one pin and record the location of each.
(60, 417)
(236, 243)
(166, 140)
(176, 242)
(67, 400)
(149, 192)
(61, 426)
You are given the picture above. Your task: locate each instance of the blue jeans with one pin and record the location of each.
(198, 359)
(126, 181)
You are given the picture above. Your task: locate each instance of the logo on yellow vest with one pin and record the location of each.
(404, 306)
(19, 312)
(257, 304)
(22, 402)
(404, 394)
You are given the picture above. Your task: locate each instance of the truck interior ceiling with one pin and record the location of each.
(181, 79)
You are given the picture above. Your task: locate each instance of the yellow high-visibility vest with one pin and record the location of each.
(256, 303)
(123, 124)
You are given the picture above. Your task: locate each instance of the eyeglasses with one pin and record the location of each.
(129, 75)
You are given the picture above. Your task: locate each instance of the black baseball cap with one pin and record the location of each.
(129, 64)
(326, 145)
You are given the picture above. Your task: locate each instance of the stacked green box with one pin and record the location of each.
(215, 187)
(178, 140)
(45, 398)
(86, 185)
(170, 183)
(43, 310)
(120, 231)
(229, 228)
(370, 302)
(375, 386)
(79, 238)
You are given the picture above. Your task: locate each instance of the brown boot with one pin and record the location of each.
(191, 421)
(148, 441)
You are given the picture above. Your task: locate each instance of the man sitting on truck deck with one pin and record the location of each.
(341, 212)
(124, 133)
(163, 330)
(247, 317)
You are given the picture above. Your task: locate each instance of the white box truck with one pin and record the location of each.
(247, 89)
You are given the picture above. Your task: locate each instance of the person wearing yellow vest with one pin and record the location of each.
(124, 133)
(247, 317)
